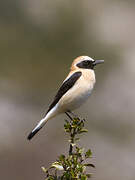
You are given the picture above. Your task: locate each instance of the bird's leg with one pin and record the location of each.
(74, 115)
(68, 115)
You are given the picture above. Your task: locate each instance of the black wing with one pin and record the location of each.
(64, 88)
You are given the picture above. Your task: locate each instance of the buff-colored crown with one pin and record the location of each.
(78, 60)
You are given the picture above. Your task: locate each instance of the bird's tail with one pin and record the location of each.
(37, 128)
(53, 112)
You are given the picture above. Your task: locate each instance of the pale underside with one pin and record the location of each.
(75, 96)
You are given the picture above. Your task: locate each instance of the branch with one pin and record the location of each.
(74, 166)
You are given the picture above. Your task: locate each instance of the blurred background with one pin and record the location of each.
(38, 41)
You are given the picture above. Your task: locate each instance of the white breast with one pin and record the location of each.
(79, 93)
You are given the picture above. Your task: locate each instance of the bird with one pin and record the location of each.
(73, 92)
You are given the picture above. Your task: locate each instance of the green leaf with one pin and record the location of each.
(88, 154)
(62, 157)
(66, 175)
(77, 139)
(79, 150)
(83, 177)
(58, 166)
(89, 175)
(73, 144)
(72, 166)
(90, 165)
(44, 169)
(83, 131)
(50, 178)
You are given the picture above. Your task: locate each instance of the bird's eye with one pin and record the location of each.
(86, 62)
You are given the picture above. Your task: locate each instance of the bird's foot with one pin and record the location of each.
(69, 113)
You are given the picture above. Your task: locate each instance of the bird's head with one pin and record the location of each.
(85, 62)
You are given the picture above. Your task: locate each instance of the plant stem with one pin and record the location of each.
(70, 149)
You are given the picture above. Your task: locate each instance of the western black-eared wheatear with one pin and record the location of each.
(74, 91)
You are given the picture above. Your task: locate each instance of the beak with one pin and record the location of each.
(98, 62)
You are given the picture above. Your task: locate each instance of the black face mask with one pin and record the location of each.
(86, 64)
